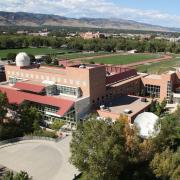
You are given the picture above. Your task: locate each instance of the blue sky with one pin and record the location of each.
(158, 12)
(168, 6)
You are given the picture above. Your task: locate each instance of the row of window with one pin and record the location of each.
(169, 91)
(47, 108)
(49, 78)
(152, 90)
(55, 89)
(65, 90)
(13, 80)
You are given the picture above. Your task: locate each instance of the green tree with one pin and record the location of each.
(97, 150)
(18, 176)
(32, 58)
(57, 124)
(56, 62)
(169, 136)
(47, 60)
(3, 106)
(29, 119)
(166, 165)
(11, 56)
(10, 130)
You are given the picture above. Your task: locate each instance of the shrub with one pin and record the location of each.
(44, 133)
(57, 124)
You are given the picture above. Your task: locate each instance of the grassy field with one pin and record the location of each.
(160, 67)
(80, 55)
(124, 59)
(34, 51)
(41, 51)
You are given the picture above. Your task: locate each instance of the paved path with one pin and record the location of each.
(43, 160)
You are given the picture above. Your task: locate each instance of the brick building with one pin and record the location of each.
(71, 92)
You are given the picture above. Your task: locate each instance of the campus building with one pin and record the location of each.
(73, 90)
(68, 93)
(164, 86)
(91, 35)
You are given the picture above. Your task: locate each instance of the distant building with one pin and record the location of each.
(133, 51)
(22, 32)
(91, 35)
(39, 34)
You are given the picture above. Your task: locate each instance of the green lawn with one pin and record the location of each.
(125, 59)
(34, 51)
(160, 67)
(41, 51)
(80, 55)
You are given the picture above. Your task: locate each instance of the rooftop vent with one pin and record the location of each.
(102, 107)
(127, 111)
(143, 99)
(82, 66)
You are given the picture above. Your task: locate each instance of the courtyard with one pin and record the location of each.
(43, 160)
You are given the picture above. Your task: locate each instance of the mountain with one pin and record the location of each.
(31, 19)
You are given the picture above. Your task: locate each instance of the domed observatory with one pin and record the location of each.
(22, 60)
(147, 123)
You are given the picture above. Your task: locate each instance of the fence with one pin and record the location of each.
(30, 138)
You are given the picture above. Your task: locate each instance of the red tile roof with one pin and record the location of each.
(29, 87)
(15, 96)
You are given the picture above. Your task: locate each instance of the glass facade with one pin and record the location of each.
(51, 90)
(64, 90)
(169, 91)
(45, 109)
(152, 90)
(13, 80)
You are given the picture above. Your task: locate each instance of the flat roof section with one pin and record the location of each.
(50, 69)
(153, 76)
(133, 103)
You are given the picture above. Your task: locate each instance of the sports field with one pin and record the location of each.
(81, 55)
(124, 59)
(160, 67)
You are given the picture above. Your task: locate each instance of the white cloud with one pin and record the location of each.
(90, 8)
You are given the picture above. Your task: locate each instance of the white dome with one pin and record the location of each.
(22, 59)
(147, 124)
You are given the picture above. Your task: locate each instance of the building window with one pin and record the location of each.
(169, 91)
(66, 90)
(51, 90)
(152, 90)
(13, 80)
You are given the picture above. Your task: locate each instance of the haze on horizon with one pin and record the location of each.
(157, 12)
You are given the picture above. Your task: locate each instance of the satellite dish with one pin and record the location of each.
(147, 124)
